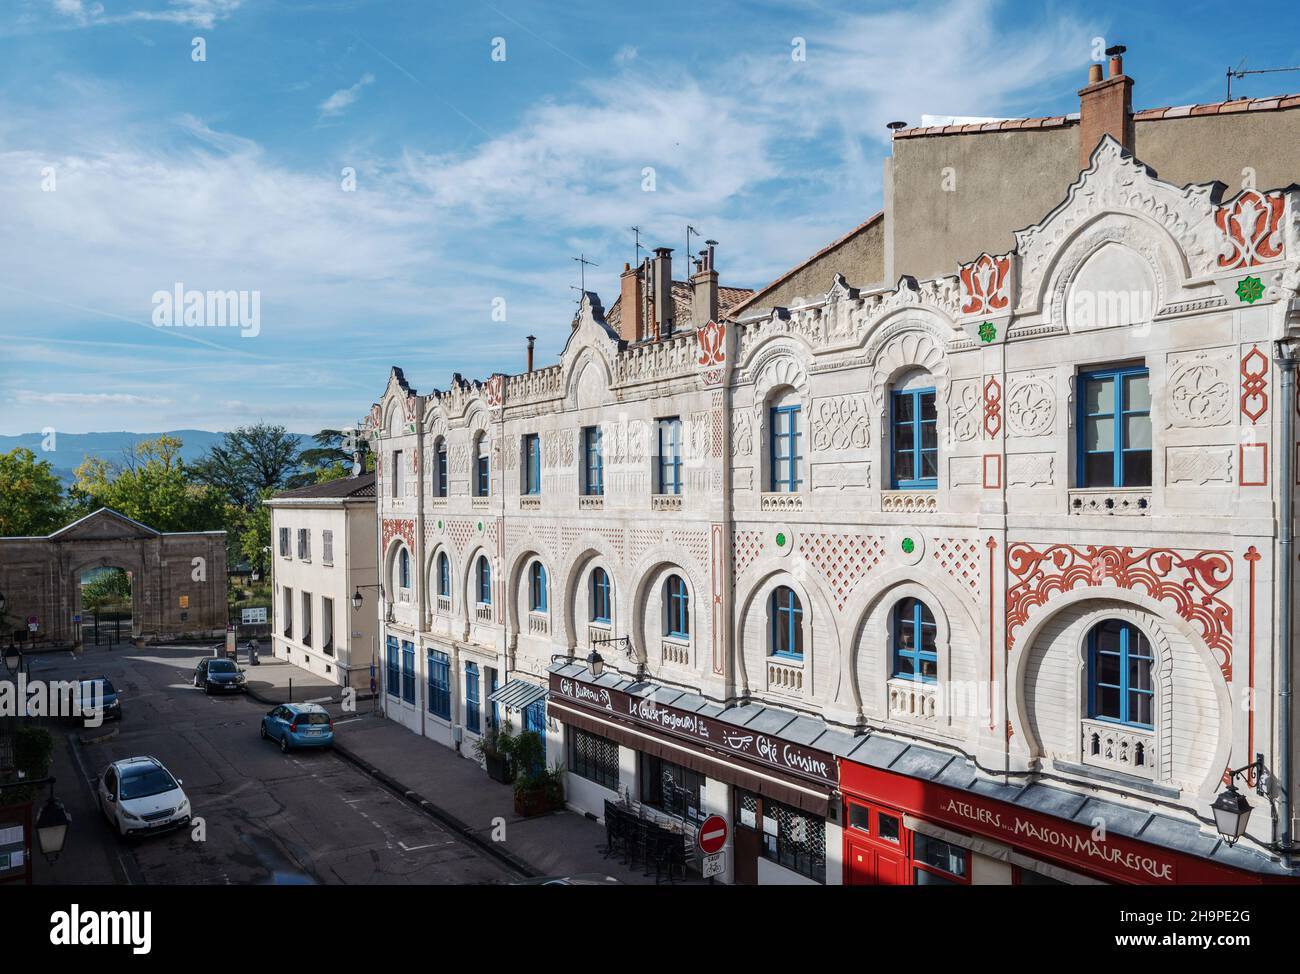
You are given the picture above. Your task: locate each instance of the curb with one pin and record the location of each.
(440, 815)
(274, 702)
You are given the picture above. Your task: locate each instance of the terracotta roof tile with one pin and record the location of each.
(728, 298)
(1205, 110)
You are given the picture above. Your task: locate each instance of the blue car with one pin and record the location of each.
(298, 725)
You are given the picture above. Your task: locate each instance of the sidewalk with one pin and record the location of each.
(273, 681)
(556, 844)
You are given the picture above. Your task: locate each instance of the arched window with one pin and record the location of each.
(787, 623)
(914, 434)
(444, 575)
(537, 587)
(915, 637)
(440, 470)
(677, 602)
(786, 454)
(482, 468)
(403, 568)
(600, 596)
(1120, 664)
(484, 581)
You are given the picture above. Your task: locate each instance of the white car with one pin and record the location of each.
(138, 795)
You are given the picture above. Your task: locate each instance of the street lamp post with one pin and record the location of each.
(51, 825)
(1231, 810)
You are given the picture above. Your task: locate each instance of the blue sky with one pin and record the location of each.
(475, 179)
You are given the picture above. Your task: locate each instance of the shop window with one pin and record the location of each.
(914, 435)
(393, 668)
(938, 863)
(787, 624)
(915, 653)
(860, 817)
(440, 470)
(1114, 428)
(537, 587)
(471, 698)
(677, 606)
(601, 590)
(888, 827)
(1120, 663)
(669, 480)
(439, 665)
(593, 462)
(671, 788)
(408, 671)
(484, 581)
(594, 758)
(791, 838)
(444, 575)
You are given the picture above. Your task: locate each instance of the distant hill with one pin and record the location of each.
(73, 448)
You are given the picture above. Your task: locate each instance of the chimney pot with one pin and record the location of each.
(1094, 74)
(1116, 66)
(532, 339)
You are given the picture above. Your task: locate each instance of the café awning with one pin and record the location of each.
(518, 695)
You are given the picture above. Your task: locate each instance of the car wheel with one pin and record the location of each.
(261, 730)
(284, 744)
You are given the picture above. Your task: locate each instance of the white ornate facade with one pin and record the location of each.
(1016, 562)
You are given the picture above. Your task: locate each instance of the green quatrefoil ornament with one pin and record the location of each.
(1250, 289)
(988, 332)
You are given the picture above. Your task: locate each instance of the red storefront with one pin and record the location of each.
(900, 830)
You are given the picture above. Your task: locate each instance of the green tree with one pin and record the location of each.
(249, 460)
(156, 487)
(31, 497)
(110, 588)
(331, 458)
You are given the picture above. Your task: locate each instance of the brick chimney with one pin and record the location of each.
(631, 323)
(1106, 107)
(665, 311)
(704, 288)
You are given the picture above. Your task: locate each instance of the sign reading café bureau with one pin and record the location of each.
(796, 759)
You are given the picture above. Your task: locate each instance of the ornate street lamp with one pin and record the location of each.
(52, 828)
(1231, 810)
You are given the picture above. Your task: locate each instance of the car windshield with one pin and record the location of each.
(88, 688)
(146, 782)
(313, 718)
(221, 666)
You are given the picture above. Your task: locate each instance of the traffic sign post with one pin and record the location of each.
(714, 865)
(713, 835)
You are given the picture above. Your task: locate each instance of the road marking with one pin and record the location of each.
(320, 700)
(348, 720)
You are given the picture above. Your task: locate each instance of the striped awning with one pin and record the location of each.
(518, 695)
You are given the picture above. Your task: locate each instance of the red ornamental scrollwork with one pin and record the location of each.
(1251, 226)
(992, 407)
(398, 527)
(493, 389)
(710, 337)
(1254, 384)
(376, 417)
(985, 285)
(1192, 584)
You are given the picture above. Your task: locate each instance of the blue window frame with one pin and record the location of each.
(494, 715)
(535, 721)
(1114, 428)
(439, 684)
(482, 469)
(471, 698)
(593, 462)
(787, 624)
(600, 596)
(403, 568)
(444, 575)
(440, 470)
(532, 464)
(484, 581)
(1120, 665)
(670, 456)
(785, 456)
(678, 602)
(916, 655)
(393, 683)
(914, 431)
(536, 587)
(408, 671)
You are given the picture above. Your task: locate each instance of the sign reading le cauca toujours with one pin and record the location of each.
(793, 758)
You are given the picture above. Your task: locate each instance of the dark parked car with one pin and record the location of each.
(104, 695)
(219, 676)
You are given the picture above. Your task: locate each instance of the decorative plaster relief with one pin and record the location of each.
(1200, 389)
(1031, 405)
(841, 423)
(1199, 464)
(839, 476)
(1030, 469)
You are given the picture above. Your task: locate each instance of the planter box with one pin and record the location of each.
(498, 769)
(534, 801)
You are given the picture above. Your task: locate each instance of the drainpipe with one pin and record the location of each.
(1287, 364)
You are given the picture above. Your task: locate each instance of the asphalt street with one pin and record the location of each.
(266, 816)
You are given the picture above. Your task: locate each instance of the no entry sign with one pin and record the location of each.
(713, 834)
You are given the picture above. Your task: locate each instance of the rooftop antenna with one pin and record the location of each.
(582, 274)
(1238, 73)
(637, 232)
(689, 231)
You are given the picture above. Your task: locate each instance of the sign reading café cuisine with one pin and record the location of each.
(765, 749)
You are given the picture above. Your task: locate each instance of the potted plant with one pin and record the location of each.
(495, 749)
(537, 788)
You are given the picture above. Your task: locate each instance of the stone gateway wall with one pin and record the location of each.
(178, 580)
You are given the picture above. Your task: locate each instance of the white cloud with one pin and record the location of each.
(342, 99)
(29, 397)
